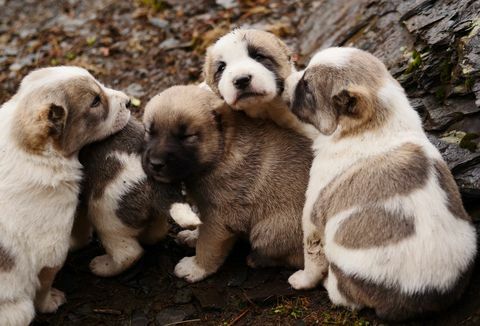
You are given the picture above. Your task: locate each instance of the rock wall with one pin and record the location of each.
(433, 49)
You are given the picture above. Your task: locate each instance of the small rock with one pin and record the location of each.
(183, 296)
(210, 298)
(174, 314)
(135, 90)
(158, 22)
(139, 319)
(227, 4)
(169, 43)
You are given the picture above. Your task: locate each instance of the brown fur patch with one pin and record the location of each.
(398, 172)
(7, 262)
(373, 227)
(447, 183)
(34, 127)
(392, 304)
(343, 96)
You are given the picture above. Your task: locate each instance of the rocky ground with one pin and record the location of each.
(144, 46)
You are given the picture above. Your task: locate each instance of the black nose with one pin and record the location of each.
(156, 164)
(128, 105)
(242, 82)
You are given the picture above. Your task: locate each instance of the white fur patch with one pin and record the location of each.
(184, 216)
(232, 49)
(188, 269)
(334, 56)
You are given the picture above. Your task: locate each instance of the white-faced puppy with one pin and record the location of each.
(54, 114)
(247, 176)
(124, 205)
(248, 68)
(384, 225)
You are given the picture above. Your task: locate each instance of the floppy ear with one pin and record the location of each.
(57, 117)
(219, 109)
(352, 100)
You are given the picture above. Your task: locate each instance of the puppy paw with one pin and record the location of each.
(301, 280)
(53, 300)
(184, 216)
(104, 266)
(188, 269)
(188, 238)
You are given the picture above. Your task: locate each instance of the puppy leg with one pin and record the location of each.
(82, 228)
(188, 237)
(122, 252)
(316, 264)
(213, 245)
(19, 312)
(48, 299)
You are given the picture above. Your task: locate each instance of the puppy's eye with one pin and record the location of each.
(221, 66)
(96, 101)
(259, 57)
(188, 137)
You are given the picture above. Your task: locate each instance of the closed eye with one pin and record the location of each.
(96, 101)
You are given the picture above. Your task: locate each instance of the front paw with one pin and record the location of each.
(53, 300)
(104, 266)
(188, 269)
(302, 280)
(184, 216)
(188, 237)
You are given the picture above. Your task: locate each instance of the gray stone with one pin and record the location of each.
(174, 314)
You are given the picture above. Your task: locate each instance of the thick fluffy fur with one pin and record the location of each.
(384, 226)
(124, 205)
(248, 68)
(248, 177)
(55, 112)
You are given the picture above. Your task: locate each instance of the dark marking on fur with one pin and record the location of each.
(447, 183)
(373, 226)
(263, 57)
(390, 303)
(7, 262)
(101, 168)
(397, 172)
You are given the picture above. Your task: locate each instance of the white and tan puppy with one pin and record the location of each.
(54, 114)
(384, 226)
(248, 68)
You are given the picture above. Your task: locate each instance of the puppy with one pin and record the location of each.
(384, 226)
(122, 203)
(55, 112)
(247, 176)
(248, 68)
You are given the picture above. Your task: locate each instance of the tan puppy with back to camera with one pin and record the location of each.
(54, 114)
(248, 68)
(247, 176)
(383, 222)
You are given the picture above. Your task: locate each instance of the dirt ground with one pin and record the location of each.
(143, 47)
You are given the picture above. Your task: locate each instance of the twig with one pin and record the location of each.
(183, 322)
(107, 311)
(239, 317)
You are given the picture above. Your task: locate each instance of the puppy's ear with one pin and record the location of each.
(352, 101)
(57, 118)
(218, 111)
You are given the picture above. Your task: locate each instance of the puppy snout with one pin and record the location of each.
(128, 104)
(156, 164)
(242, 81)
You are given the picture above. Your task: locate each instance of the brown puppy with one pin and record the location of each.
(247, 176)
